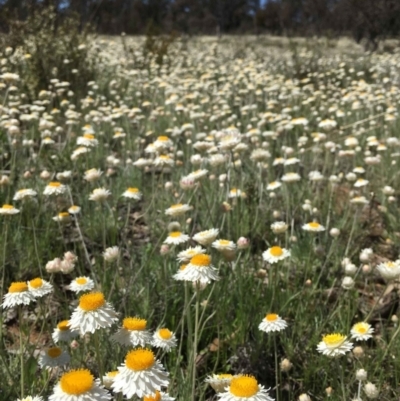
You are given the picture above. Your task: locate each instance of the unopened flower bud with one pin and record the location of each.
(334, 232)
(371, 391)
(361, 374)
(74, 344)
(358, 352)
(304, 397)
(164, 249)
(243, 243)
(286, 365)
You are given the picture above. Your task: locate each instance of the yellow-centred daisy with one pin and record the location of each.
(361, 331)
(224, 245)
(272, 322)
(158, 396)
(92, 313)
(334, 345)
(275, 254)
(133, 332)
(177, 210)
(165, 339)
(199, 269)
(24, 193)
(187, 254)
(54, 357)
(140, 374)
(79, 385)
(108, 378)
(63, 332)
(132, 193)
(206, 237)
(219, 382)
(54, 188)
(8, 210)
(81, 284)
(39, 287)
(99, 195)
(176, 238)
(244, 388)
(18, 294)
(389, 270)
(313, 227)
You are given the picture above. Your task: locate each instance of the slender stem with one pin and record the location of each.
(277, 391)
(98, 356)
(21, 351)
(359, 391)
(4, 258)
(196, 329)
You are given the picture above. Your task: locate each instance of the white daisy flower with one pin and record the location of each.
(81, 284)
(63, 332)
(81, 150)
(165, 339)
(279, 227)
(274, 185)
(224, 245)
(236, 193)
(389, 270)
(359, 200)
(162, 143)
(197, 175)
(361, 183)
(187, 254)
(198, 270)
(92, 175)
(18, 294)
(177, 210)
(244, 388)
(159, 396)
(140, 374)
(74, 209)
(133, 333)
(24, 193)
(206, 237)
(361, 331)
(176, 238)
(54, 357)
(163, 160)
(39, 287)
(99, 195)
(63, 217)
(79, 385)
(92, 313)
(132, 193)
(275, 254)
(111, 254)
(272, 322)
(87, 140)
(8, 210)
(334, 345)
(313, 226)
(108, 378)
(30, 398)
(219, 382)
(54, 188)
(291, 177)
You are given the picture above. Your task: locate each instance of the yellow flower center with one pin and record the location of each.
(361, 328)
(271, 317)
(165, 334)
(133, 190)
(162, 138)
(314, 225)
(54, 352)
(112, 373)
(76, 382)
(63, 325)
(92, 301)
(164, 157)
(276, 251)
(177, 206)
(333, 340)
(201, 260)
(9, 207)
(182, 267)
(63, 215)
(54, 184)
(224, 242)
(19, 286)
(36, 283)
(134, 323)
(81, 280)
(156, 397)
(390, 264)
(175, 234)
(140, 359)
(88, 136)
(243, 386)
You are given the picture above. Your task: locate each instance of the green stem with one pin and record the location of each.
(21, 352)
(196, 329)
(98, 356)
(277, 391)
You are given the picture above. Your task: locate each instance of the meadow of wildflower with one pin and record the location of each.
(218, 221)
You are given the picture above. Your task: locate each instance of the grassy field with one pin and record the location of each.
(285, 153)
